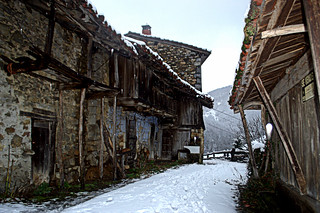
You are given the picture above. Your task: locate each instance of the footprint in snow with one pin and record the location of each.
(109, 199)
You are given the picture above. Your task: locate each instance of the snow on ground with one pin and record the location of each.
(190, 188)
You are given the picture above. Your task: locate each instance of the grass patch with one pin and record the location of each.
(45, 192)
(151, 167)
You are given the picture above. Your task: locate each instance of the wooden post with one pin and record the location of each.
(286, 142)
(201, 146)
(116, 71)
(49, 39)
(59, 139)
(102, 139)
(114, 150)
(263, 116)
(312, 14)
(80, 136)
(251, 154)
(89, 57)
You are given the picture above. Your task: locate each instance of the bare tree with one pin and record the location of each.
(256, 131)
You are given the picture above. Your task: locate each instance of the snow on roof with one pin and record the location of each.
(130, 44)
(169, 69)
(181, 43)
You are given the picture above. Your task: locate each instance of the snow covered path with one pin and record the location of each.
(191, 188)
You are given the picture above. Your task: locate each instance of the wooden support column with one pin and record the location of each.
(286, 142)
(89, 57)
(263, 116)
(80, 136)
(102, 140)
(251, 154)
(49, 38)
(59, 139)
(201, 146)
(114, 150)
(116, 71)
(312, 14)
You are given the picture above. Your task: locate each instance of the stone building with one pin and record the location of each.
(185, 59)
(79, 101)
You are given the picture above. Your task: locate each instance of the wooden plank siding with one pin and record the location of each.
(143, 90)
(301, 122)
(281, 63)
(189, 112)
(302, 126)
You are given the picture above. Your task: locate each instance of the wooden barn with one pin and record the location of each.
(186, 60)
(279, 73)
(81, 102)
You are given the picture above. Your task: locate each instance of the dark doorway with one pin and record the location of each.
(43, 147)
(131, 140)
(152, 148)
(167, 140)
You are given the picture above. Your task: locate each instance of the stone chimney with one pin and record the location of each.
(146, 29)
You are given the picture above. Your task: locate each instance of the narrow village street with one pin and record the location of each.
(210, 188)
(135, 107)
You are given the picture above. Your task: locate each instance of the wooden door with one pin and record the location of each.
(43, 147)
(131, 140)
(167, 140)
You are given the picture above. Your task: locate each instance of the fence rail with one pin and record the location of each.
(226, 154)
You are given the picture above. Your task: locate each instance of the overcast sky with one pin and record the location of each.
(216, 25)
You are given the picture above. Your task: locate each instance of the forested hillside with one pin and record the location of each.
(223, 127)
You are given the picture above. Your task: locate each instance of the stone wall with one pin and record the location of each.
(185, 62)
(20, 93)
(31, 99)
(24, 97)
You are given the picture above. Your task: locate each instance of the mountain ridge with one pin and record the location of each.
(222, 125)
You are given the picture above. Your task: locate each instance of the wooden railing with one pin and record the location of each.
(226, 154)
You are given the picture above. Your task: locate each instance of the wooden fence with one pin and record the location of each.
(226, 154)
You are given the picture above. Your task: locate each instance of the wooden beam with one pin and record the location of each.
(80, 137)
(281, 10)
(286, 30)
(287, 57)
(251, 154)
(293, 77)
(263, 117)
(251, 104)
(286, 142)
(89, 57)
(201, 146)
(109, 146)
(114, 137)
(312, 14)
(116, 71)
(49, 39)
(72, 85)
(97, 95)
(101, 140)
(59, 139)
